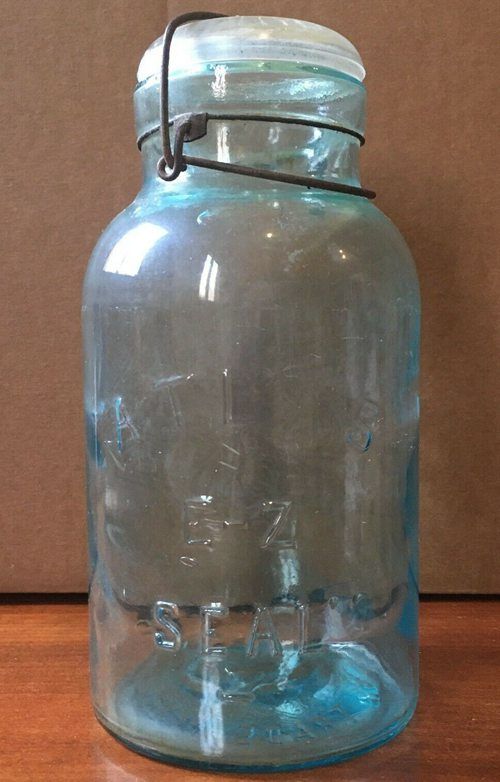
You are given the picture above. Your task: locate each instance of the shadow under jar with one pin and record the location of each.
(251, 366)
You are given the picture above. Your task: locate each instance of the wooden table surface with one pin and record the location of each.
(48, 731)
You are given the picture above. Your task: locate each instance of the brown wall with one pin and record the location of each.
(69, 165)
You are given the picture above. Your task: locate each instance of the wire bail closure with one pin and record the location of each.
(192, 126)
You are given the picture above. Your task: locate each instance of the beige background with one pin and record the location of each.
(69, 164)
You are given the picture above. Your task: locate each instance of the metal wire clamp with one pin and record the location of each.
(193, 125)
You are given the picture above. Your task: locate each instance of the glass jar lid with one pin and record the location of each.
(257, 38)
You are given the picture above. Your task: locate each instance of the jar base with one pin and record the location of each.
(261, 768)
(325, 716)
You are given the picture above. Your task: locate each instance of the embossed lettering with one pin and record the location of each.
(227, 397)
(230, 457)
(281, 532)
(361, 434)
(303, 619)
(124, 424)
(169, 385)
(208, 612)
(165, 615)
(201, 526)
(263, 632)
(360, 438)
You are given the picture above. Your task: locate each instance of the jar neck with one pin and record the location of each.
(294, 149)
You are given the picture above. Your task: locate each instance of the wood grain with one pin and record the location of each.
(49, 732)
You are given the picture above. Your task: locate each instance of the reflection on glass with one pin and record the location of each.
(129, 252)
(210, 716)
(208, 279)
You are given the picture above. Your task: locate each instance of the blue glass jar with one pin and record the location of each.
(251, 367)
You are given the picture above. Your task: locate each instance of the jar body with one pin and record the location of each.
(252, 411)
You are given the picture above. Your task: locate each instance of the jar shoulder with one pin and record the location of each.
(115, 230)
(283, 234)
